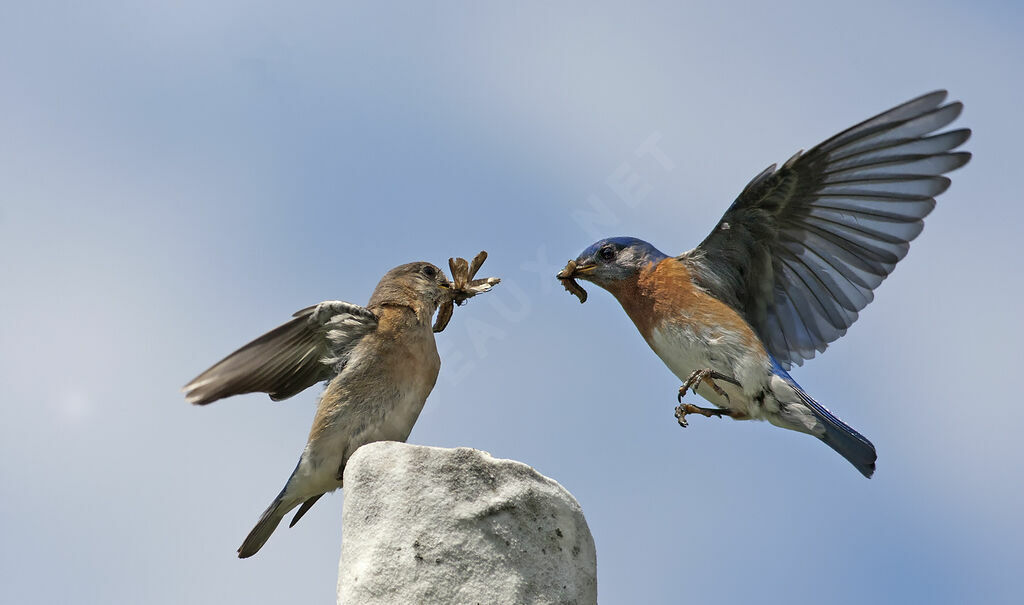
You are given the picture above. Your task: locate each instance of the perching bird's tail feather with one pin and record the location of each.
(271, 518)
(308, 504)
(264, 527)
(843, 438)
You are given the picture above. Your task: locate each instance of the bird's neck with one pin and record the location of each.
(405, 312)
(637, 298)
(665, 292)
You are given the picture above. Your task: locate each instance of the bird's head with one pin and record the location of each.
(612, 260)
(419, 285)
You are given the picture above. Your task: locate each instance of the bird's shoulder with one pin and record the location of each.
(401, 354)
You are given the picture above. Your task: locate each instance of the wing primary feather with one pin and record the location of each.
(808, 242)
(287, 359)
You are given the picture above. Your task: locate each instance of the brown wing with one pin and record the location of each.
(310, 348)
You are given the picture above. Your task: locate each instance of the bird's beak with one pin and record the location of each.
(574, 269)
(567, 277)
(446, 284)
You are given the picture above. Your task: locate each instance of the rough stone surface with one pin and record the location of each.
(433, 525)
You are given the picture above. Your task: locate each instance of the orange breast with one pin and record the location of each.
(664, 291)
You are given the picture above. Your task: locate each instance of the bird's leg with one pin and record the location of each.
(708, 377)
(687, 408)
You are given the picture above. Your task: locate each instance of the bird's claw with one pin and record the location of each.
(687, 408)
(706, 376)
(681, 417)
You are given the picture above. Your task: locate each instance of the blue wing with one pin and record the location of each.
(802, 248)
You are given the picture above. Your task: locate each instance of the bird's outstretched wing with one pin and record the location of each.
(802, 248)
(290, 358)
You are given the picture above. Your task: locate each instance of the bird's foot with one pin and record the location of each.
(708, 377)
(686, 408)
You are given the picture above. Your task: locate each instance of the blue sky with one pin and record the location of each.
(175, 180)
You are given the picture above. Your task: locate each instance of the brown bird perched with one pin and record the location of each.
(381, 363)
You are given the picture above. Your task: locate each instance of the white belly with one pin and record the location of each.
(685, 349)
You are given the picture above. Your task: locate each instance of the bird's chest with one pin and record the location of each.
(688, 346)
(685, 347)
(405, 356)
(414, 372)
(381, 392)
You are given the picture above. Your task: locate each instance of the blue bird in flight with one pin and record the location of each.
(786, 270)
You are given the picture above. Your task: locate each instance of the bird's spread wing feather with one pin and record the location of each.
(310, 348)
(802, 248)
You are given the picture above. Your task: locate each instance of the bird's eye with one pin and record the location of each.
(429, 271)
(607, 253)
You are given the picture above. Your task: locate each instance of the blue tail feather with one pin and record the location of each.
(839, 436)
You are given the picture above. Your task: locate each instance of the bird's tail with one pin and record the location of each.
(271, 518)
(264, 527)
(842, 437)
(836, 434)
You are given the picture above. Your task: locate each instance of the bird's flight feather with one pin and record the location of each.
(310, 348)
(802, 248)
